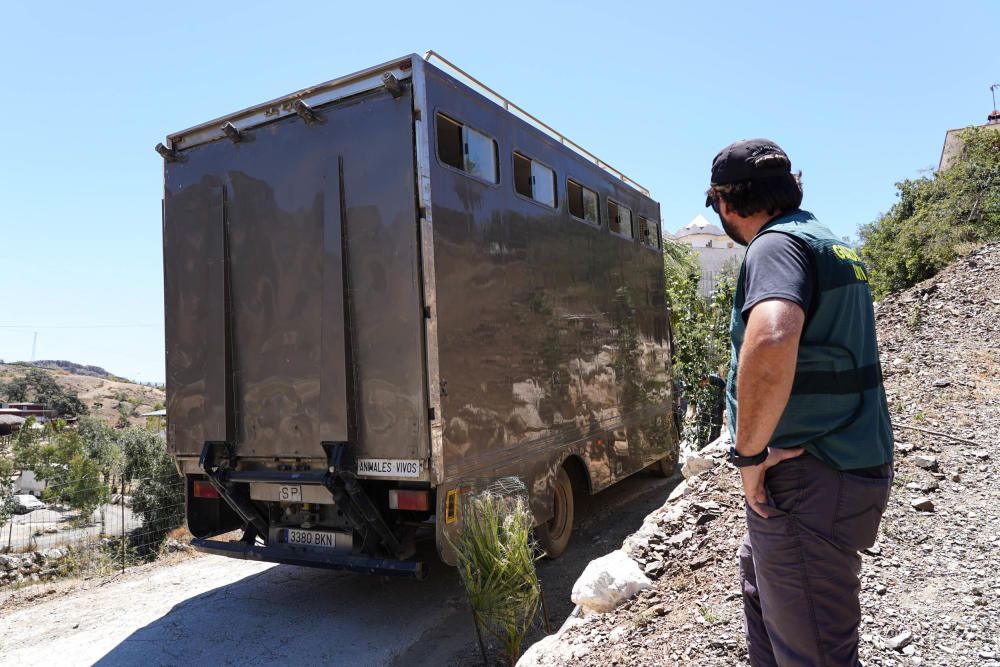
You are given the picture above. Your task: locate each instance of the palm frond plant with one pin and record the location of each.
(496, 561)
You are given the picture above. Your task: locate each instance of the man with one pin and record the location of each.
(807, 414)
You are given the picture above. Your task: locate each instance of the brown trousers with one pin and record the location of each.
(799, 569)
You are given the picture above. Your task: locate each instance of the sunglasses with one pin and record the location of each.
(714, 203)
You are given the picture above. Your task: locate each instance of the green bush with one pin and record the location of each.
(700, 329)
(937, 218)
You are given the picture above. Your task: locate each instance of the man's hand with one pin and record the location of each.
(753, 478)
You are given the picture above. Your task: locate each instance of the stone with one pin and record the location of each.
(608, 581)
(940, 384)
(653, 568)
(705, 518)
(680, 538)
(925, 462)
(922, 504)
(700, 562)
(52, 554)
(679, 491)
(899, 641)
(9, 562)
(695, 465)
(618, 634)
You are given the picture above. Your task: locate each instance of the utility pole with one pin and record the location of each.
(993, 91)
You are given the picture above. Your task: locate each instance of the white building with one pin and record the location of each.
(26, 483)
(700, 233)
(713, 247)
(953, 141)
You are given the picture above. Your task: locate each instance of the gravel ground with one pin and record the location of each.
(198, 609)
(930, 586)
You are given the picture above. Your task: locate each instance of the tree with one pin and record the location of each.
(84, 490)
(936, 218)
(700, 333)
(38, 386)
(159, 489)
(101, 446)
(7, 504)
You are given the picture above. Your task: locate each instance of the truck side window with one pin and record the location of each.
(533, 179)
(650, 233)
(582, 202)
(620, 219)
(466, 149)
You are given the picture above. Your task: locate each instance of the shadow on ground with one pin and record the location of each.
(288, 615)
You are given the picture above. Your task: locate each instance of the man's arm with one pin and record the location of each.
(766, 369)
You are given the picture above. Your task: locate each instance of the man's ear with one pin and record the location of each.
(724, 208)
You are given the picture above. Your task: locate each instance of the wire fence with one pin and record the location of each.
(84, 525)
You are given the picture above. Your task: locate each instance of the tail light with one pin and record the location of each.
(402, 499)
(203, 489)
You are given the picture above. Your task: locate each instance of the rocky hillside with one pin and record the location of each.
(931, 585)
(101, 395)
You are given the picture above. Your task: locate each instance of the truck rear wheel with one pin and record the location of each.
(553, 535)
(665, 467)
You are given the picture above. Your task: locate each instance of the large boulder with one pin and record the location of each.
(609, 581)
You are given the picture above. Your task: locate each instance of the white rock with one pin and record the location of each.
(554, 649)
(678, 491)
(900, 640)
(695, 465)
(609, 581)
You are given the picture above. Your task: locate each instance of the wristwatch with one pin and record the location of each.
(743, 461)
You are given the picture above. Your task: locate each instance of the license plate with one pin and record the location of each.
(290, 493)
(312, 538)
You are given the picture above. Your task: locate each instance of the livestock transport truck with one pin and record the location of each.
(386, 288)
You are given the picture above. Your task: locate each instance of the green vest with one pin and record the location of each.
(837, 409)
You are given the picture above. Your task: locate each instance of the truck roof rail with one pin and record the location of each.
(527, 117)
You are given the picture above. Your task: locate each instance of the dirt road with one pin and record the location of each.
(213, 610)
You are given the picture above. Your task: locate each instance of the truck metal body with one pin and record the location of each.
(350, 315)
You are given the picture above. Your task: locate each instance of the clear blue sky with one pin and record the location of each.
(858, 93)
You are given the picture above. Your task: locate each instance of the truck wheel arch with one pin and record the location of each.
(579, 476)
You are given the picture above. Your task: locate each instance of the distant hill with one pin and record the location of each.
(102, 392)
(75, 368)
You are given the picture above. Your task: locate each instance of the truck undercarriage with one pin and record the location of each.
(293, 530)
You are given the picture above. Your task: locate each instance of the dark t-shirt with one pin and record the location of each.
(779, 266)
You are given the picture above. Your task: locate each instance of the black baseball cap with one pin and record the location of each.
(748, 160)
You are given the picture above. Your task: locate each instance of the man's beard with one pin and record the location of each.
(731, 231)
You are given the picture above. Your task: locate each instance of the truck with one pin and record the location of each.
(384, 289)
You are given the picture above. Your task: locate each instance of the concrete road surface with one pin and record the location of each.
(211, 610)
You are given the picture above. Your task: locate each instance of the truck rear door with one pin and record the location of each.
(293, 299)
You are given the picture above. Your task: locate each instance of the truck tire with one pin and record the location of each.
(553, 535)
(665, 467)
